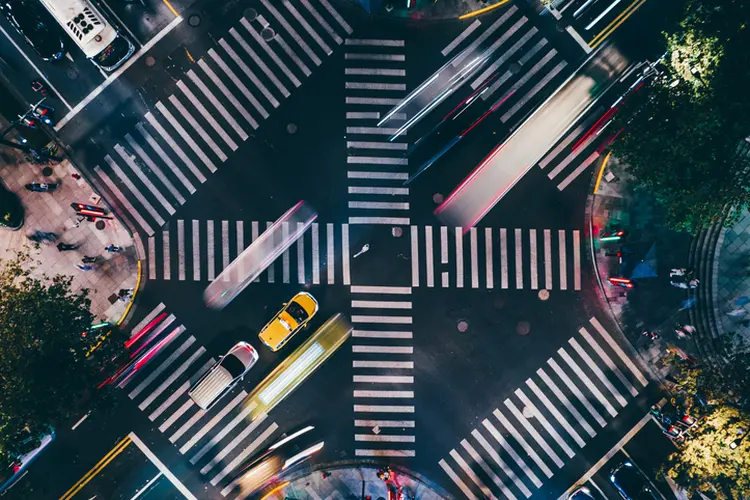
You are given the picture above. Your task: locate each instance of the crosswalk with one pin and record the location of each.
(441, 257)
(219, 101)
(384, 417)
(215, 442)
(375, 76)
(538, 429)
(527, 66)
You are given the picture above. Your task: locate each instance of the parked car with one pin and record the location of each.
(29, 447)
(294, 316)
(581, 493)
(36, 26)
(224, 375)
(631, 484)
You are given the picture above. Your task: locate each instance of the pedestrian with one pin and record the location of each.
(679, 284)
(693, 283)
(64, 247)
(89, 260)
(113, 248)
(125, 294)
(84, 267)
(677, 272)
(650, 334)
(741, 301)
(690, 329)
(681, 334)
(737, 313)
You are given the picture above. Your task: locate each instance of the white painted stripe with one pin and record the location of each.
(158, 463)
(587, 381)
(459, 257)
(443, 245)
(196, 244)
(371, 334)
(210, 250)
(460, 38)
(521, 441)
(336, 16)
(329, 253)
(166, 256)
(212, 423)
(393, 146)
(297, 38)
(526, 77)
(382, 349)
(373, 42)
(384, 453)
(548, 259)
(457, 481)
(559, 394)
(544, 424)
(176, 415)
(133, 189)
(533, 261)
(225, 247)
(315, 254)
(399, 365)
(577, 393)
(445, 279)
(185, 136)
(384, 423)
(187, 425)
(376, 160)
(177, 149)
(174, 376)
(374, 72)
(383, 409)
(271, 272)
(226, 92)
(486, 493)
(220, 107)
(563, 260)
(225, 431)
(383, 438)
(598, 372)
(388, 320)
(165, 364)
(177, 394)
(372, 101)
(154, 168)
(238, 83)
(490, 279)
(551, 408)
(307, 27)
(395, 221)
(478, 459)
(510, 451)
(618, 350)
(503, 258)
(200, 130)
(429, 264)
(362, 115)
(345, 254)
(479, 41)
(558, 149)
(474, 258)
(384, 379)
(414, 256)
(608, 361)
(504, 57)
(500, 462)
(264, 45)
(519, 259)
(381, 304)
(181, 250)
(244, 454)
(536, 88)
(375, 86)
(301, 254)
(164, 157)
(384, 394)
(396, 176)
(207, 116)
(322, 21)
(287, 49)
(125, 202)
(151, 260)
(576, 259)
(258, 61)
(375, 57)
(578, 171)
(240, 230)
(393, 290)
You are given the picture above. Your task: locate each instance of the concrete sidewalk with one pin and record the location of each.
(51, 212)
(731, 273)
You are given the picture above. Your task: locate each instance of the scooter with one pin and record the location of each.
(42, 187)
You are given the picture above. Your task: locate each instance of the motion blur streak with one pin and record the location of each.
(258, 256)
(150, 326)
(510, 161)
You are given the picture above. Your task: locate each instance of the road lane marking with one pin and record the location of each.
(490, 279)
(315, 254)
(206, 115)
(598, 372)
(383, 409)
(221, 109)
(478, 459)
(459, 257)
(414, 256)
(500, 462)
(300, 254)
(151, 260)
(381, 335)
(503, 258)
(519, 258)
(460, 38)
(382, 349)
(388, 320)
(196, 251)
(472, 475)
(162, 468)
(545, 424)
(173, 377)
(618, 350)
(384, 394)
(381, 304)
(563, 260)
(96, 469)
(210, 250)
(474, 258)
(524, 444)
(548, 259)
(345, 255)
(457, 480)
(329, 259)
(429, 263)
(225, 247)
(166, 254)
(566, 402)
(552, 409)
(532, 257)
(384, 423)
(177, 149)
(516, 458)
(154, 168)
(399, 365)
(181, 250)
(386, 379)
(212, 423)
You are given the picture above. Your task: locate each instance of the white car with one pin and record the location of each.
(224, 375)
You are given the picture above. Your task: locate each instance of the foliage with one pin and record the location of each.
(44, 371)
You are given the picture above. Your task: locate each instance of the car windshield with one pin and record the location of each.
(295, 311)
(113, 53)
(233, 365)
(631, 482)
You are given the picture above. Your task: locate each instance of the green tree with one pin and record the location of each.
(45, 375)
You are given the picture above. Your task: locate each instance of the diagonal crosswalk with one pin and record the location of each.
(217, 104)
(543, 424)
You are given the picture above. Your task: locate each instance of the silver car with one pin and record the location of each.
(224, 375)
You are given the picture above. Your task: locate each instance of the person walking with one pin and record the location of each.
(84, 267)
(113, 248)
(64, 247)
(89, 260)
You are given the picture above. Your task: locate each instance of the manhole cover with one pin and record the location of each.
(528, 412)
(462, 326)
(150, 61)
(47, 171)
(267, 34)
(523, 327)
(100, 225)
(291, 128)
(397, 232)
(514, 68)
(251, 14)
(72, 73)
(543, 294)
(194, 20)
(438, 198)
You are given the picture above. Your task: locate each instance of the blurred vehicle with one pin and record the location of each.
(291, 450)
(674, 422)
(224, 375)
(631, 484)
(36, 26)
(581, 493)
(29, 448)
(292, 318)
(11, 210)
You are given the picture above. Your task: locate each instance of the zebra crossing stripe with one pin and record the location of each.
(508, 449)
(307, 27)
(532, 258)
(474, 258)
(577, 393)
(284, 68)
(460, 38)
(472, 475)
(166, 255)
(223, 433)
(478, 459)
(545, 424)
(554, 411)
(503, 258)
(524, 444)
(207, 116)
(429, 264)
(165, 158)
(232, 445)
(175, 147)
(566, 402)
(171, 379)
(154, 168)
(184, 134)
(264, 68)
(287, 49)
(196, 251)
(548, 259)
(285, 255)
(181, 250)
(225, 247)
(459, 257)
(121, 197)
(271, 272)
(618, 350)
(608, 361)
(598, 372)
(519, 258)
(267, 433)
(171, 399)
(176, 415)
(329, 253)
(220, 107)
(587, 381)
(336, 16)
(151, 260)
(297, 38)
(322, 22)
(500, 462)
(576, 260)
(212, 423)
(210, 250)
(133, 189)
(457, 480)
(398, 365)
(165, 364)
(315, 254)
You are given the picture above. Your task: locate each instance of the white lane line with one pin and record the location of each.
(223, 433)
(521, 441)
(363, 115)
(284, 68)
(486, 493)
(258, 61)
(133, 189)
(329, 253)
(457, 480)
(394, 221)
(164, 365)
(459, 257)
(544, 423)
(212, 423)
(159, 465)
(322, 22)
(315, 253)
(618, 350)
(490, 278)
(377, 334)
(414, 256)
(375, 160)
(210, 250)
(486, 468)
(300, 254)
(385, 423)
(399, 365)
(336, 16)
(164, 157)
(244, 454)
(381, 304)
(383, 176)
(384, 453)
(578, 171)
(383, 409)
(371, 131)
(576, 260)
(391, 146)
(272, 267)
(154, 168)
(474, 258)
(548, 259)
(240, 243)
(225, 247)
(559, 394)
(207, 116)
(563, 260)
(443, 245)
(516, 458)
(533, 259)
(460, 38)
(531, 93)
(518, 239)
(177, 394)
(177, 149)
(166, 255)
(445, 278)
(238, 83)
(383, 438)
(551, 408)
(375, 57)
(196, 244)
(598, 372)
(151, 261)
(187, 425)
(307, 27)
(227, 93)
(384, 394)
(176, 415)
(569, 159)
(287, 49)
(297, 38)
(379, 205)
(387, 320)
(221, 109)
(373, 72)
(503, 258)
(372, 101)
(201, 132)
(375, 86)
(429, 257)
(345, 255)
(374, 42)
(501, 463)
(181, 250)
(126, 203)
(576, 392)
(383, 379)
(608, 361)
(382, 349)
(479, 41)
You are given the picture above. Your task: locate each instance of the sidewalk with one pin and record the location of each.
(732, 277)
(51, 212)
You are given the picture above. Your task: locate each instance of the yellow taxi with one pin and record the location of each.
(292, 318)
